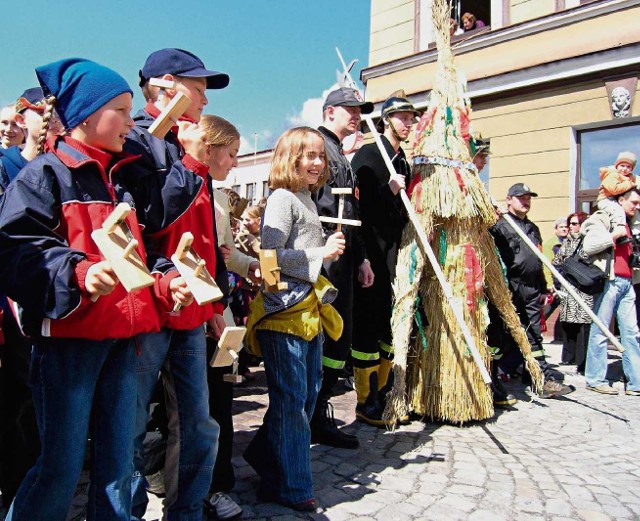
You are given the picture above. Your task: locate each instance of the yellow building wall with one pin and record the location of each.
(392, 30)
(523, 10)
(531, 138)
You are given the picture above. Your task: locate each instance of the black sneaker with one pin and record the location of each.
(325, 431)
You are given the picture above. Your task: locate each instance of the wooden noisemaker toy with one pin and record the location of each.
(226, 353)
(270, 272)
(117, 244)
(193, 270)
(169, 116)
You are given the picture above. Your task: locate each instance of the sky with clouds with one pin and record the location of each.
(280, 55)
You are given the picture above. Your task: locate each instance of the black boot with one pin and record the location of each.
(324, 429)
(501, 397)
(371, 410)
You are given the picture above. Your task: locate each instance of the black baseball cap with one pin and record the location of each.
(31, 99)
(180, 63)
(346, 97)
(520, 189)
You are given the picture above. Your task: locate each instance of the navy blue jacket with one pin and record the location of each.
(11, 162)
(175, 196)
(46, 218)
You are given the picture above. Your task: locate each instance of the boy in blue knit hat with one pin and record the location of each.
(83, 359)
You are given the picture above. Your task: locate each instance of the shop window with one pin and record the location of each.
(251, 189)
(599, 146)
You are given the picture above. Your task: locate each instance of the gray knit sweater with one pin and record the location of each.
(291, 227)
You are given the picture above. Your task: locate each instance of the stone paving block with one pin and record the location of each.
(577, 493)
(558, 507)
(487, 515)
(399, 511)
(459, 502)
(589, 515)
(363, 508)
(465, 490)
(440, 511)
(529, 504)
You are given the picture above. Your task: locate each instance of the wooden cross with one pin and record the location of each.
(193, 270)
(170, 114)
(117, 244)
(340, 192)
(226, 353)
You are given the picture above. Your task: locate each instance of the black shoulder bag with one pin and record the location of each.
(583, 273)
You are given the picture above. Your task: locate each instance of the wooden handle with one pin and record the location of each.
(129, 248)
(116, 217)
(184, 245)
(198, 270)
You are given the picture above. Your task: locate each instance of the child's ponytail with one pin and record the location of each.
(46, 118)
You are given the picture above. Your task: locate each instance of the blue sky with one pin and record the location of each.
(279, 54)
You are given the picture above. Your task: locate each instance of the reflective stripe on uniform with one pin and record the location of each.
(366, 357)
(386, 347)
(333, 364)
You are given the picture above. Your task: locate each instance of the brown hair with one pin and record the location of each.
(469, 16)
(46, 118)
(255, 211)
(582, 217)
(218, 131)
(286, 158)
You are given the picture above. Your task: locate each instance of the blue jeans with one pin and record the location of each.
(76, 383)
(279, 452)
(180, 357)
(617, 298)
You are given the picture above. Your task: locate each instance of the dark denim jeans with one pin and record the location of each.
(180, 357)
(75, 382)
(279, 452)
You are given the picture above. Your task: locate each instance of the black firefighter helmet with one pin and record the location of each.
(397, 102)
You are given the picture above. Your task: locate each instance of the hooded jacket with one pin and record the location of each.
(172, 190)
(46, 218)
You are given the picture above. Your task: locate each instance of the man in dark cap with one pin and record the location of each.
(383, 219)
(340, 118)
(527, 283)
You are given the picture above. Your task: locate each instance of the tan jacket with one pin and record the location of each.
(238, 262)
(598, 241)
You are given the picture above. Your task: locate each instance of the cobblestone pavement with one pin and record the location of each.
(570, 458)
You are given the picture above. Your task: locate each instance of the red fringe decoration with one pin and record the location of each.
(473, 275)
(461, 184)
(464, 124)
(425, 121)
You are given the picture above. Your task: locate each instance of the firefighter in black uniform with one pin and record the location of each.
(341, 118)
(383, 219)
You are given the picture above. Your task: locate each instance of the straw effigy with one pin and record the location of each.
(434, 373)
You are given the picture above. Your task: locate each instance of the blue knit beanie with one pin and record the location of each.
(80, 87)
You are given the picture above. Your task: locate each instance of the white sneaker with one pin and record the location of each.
(221, 506)
(155, 483)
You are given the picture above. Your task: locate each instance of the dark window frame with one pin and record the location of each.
(589, 196)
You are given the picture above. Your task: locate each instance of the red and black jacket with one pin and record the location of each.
(46, 218)
(176, 195)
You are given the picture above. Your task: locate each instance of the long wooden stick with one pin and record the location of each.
(454, 302)
(564, 283)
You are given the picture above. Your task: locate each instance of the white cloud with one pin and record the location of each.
(311, 113)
